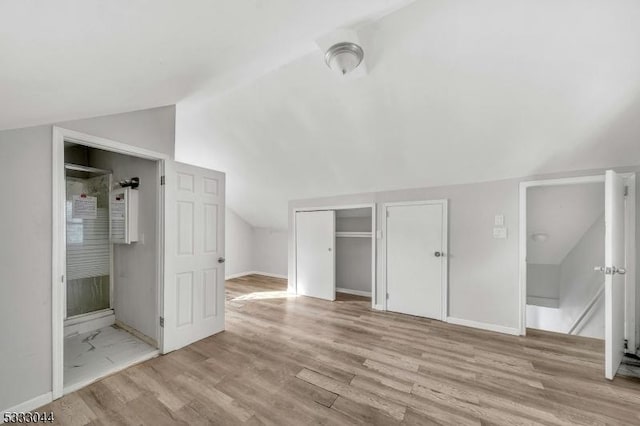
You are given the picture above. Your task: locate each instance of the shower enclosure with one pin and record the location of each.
(89, 252)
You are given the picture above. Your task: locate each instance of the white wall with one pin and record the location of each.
(135, 265)
(483, 272)
(270, 251)
(543, 282)
(25, 250)
(579, 281)
(578, 284)
(238, 245)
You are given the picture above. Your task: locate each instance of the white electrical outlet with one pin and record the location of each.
(499, 220)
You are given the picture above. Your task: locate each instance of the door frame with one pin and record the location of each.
(58, 248)
(630, 247)
(445, 249)
(372, 206)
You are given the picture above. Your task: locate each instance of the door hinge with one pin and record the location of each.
(162, 180)
(626, 345)
(62, 279)
(387, 296)
(626, 191)
(387, 213)
(162, 322)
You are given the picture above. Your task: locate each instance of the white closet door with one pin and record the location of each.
(415, 259)
(194, 254)
(614, 269)
(315, 254)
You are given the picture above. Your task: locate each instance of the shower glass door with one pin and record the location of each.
(87, 241)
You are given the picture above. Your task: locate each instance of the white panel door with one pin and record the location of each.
(614, 283)
(415, 259)
(194, 254)
(315, 254)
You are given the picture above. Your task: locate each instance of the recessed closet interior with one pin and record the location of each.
(335, 252)
(354, 251)
(111, 281)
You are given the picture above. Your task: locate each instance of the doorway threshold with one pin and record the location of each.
(91, 356)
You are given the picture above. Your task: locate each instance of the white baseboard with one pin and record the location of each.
(148, 340)
(238, 275)
(354, 292)
(378, 307)
(79, 326)
(484, 326)
(244, 274)
(269, 274)
(29, 405)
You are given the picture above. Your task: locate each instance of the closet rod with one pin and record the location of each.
(79, 168)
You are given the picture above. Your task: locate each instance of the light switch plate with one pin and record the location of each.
(499, 220)
(500, 233)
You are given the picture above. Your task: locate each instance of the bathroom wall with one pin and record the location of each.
(135, 268)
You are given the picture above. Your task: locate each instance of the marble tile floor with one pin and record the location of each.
(89, 356)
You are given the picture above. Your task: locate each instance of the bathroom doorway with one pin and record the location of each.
(111, 292)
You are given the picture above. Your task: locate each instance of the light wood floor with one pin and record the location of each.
(295, 361)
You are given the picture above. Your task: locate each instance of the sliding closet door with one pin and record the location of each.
(315, 254)
(194, 254)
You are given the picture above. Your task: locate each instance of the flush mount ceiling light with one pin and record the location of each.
(540, 237)
(344, 57)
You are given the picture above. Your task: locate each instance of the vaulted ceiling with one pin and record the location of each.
(455, 92)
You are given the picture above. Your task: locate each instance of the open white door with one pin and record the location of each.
(194, 254)
(614, 270)
(315, 254)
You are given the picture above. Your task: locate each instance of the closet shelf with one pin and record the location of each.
(353, 234)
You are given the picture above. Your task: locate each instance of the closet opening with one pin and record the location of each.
(110, 293)
(354, 248)
(335, 252)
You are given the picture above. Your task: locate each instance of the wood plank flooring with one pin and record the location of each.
(295, 360)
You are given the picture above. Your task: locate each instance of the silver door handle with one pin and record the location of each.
(221, 260)
(610, 270)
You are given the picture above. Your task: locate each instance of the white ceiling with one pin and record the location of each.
(455, 92)
(69, 59)
(565, 213)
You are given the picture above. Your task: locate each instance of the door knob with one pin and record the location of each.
(437, 254)
(610, 270)
(221, 260)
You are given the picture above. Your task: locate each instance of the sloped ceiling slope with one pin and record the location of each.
(456, 92)
(564, 213)
(69, 59)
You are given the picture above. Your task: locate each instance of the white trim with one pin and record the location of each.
(266, 274)
(522, 234)
(89, 323)
(354, 292)
(630, 265)
(116, 368)
(373, 207)
(29, 405)
(269, 274)
(107, 144)
(445, 250)
(238, 275)
(484, 326)
(58, 269)
(546, 302)
(378, 307)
